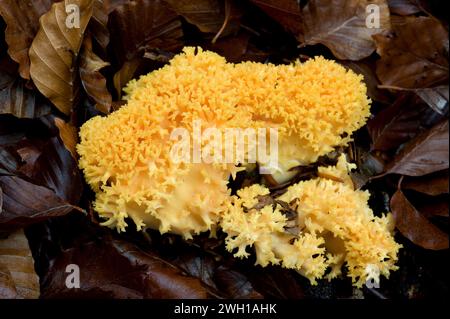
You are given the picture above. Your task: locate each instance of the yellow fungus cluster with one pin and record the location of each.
(333, 226)
(315, 106)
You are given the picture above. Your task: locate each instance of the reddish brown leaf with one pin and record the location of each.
(398, 123)
(22, 19)
(69, 135)
(341, 26)
(15, 98)
(285, 12)
(92, 80)
(412, 58)
(112, 268)
(210, 16)
(125, 74)
(435, 208)
(416, 227)
(98, 26)
(433, 184)
(25, 203)
(142, 24)
(425, 154)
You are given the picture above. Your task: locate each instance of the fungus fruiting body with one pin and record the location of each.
(127, 159)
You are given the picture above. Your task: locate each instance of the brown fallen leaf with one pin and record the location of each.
(22, 19)
(69, 135)
(54, 53)
(16, 258)
(416, 227)
(112, 268)
(141, 24)
(20, 101)
(414, 59)
(433, 184)
(285, 12)
(398, 123)
(341, 26)
(7, 286)
(31, 204)
(125, 74)
(92, 80)
(209, 16)
(427, 153)
(98, 25)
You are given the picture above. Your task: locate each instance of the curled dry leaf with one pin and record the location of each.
(412, 58)
(341, 26)
(22, 19)
(416, 227)
(285, 12)
(210, 16)
(54, 53)
(125, 74)
(92, 80)
(425, 154)
(398, 123)
(39, 178)
(15, 258)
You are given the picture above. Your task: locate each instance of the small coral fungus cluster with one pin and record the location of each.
(316, 226)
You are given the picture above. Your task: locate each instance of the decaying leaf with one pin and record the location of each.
(412, 58)
(285, 12)
(209, 15)
(22, 19)
(425, 154)
(69, 135)
(98, 26)
(416, 227)
(141, 24)
(54, 52)
(125, 74)
(114, 268)
(341, 25)
(20, 101)
(398, 123)
(15, 258)
(92, 80)
(432, 184)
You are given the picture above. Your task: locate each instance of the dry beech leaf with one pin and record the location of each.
(398, 123)
(69, 135)
(112, 268)
(427, 153)
(98, 26)
(142, 24)
(433, 184)
(15, 256)
(209, 15)
(32, 204)
(436, 98)
(92, 80)
(19, 101)
(341, 26)
(415, 56)
(125, 74)
(414, 226)
(285, 12)
(54, 52)
(22, 19)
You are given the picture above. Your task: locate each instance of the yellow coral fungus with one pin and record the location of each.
(334, 226)
(315, 106)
